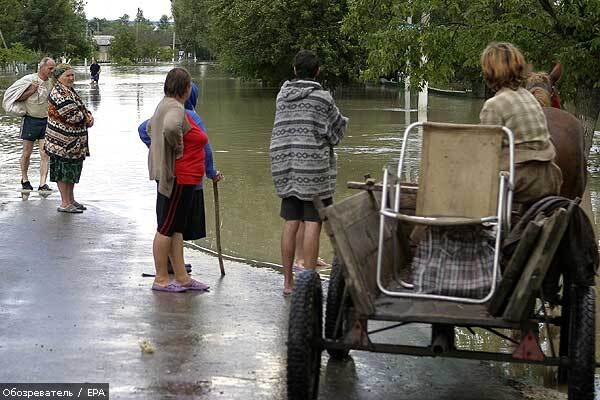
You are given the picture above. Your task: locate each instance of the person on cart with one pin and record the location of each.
(465, 254)
(505, 72)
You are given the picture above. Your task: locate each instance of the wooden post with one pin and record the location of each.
(218, 227)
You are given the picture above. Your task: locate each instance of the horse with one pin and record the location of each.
(566, 132)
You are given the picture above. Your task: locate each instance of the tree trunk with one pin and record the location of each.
(587, 108)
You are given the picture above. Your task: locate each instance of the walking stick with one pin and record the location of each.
(218, 227)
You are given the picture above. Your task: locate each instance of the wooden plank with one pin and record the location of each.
(452, 161)
(515, 266)
(403, 309)
(535, 270)
(377, 187)
(353, 228)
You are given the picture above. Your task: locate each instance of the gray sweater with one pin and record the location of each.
(166, 129)
(307, 126)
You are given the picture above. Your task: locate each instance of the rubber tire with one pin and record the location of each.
(304, 331)
(582, 348)
(335, 295)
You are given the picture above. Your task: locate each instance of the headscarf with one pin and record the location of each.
(190, 103)
(60, 69)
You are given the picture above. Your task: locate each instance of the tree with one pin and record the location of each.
(11, 21)
(164, 23)
(258, 38)
(456, 32)
(55, 27)
(17, 53)
(123, 46)
(191, 25)
(124, 19)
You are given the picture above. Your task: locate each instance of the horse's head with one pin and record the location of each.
(541, 85)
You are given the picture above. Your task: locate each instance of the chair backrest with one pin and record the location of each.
(459, 170)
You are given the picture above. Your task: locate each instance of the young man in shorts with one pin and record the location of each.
(307, 126)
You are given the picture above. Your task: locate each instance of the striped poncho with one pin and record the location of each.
(307, 126)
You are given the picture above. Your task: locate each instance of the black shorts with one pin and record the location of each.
(173, 214)
(196, 226)
(294, 209)
(33, 129)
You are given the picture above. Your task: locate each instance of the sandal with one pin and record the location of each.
(79, 206)
(71, 209)
(45, 188)
(171, 287)
(195, 285)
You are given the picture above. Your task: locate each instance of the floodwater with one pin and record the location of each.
(239, 118)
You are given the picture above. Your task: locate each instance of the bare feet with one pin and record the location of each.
(287, 291)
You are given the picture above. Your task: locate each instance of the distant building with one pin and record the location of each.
(103, 44)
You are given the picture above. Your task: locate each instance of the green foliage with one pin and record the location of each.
(139, 41)
(455, 32)
(164, 23)
(123, 47)
(11, 21)
(191, 25)
(55, 27)
(258, 38)
(17, 53)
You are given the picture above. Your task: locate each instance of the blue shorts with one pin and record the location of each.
(33, 129)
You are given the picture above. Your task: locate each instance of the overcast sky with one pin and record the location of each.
(113, 9)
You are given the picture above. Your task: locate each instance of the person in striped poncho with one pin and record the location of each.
(307, 126)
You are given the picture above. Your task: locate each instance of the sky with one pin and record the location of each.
(113, 9)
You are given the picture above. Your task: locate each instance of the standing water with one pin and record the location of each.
(239, 117)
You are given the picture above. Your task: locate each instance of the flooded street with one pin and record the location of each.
(239, 118)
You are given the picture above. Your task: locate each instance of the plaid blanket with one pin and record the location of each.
(456, 261)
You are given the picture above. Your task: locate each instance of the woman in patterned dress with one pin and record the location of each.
(67, 137)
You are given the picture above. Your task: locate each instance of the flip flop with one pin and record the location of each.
(196, 285)
(171, 287)
(71, 209)
(79, 206)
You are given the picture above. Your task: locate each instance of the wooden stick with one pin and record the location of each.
(218, 227)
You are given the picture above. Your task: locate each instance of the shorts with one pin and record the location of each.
(294, 209)
(95, 77)
(63, 170)
(173, 213)
(196, 227)
(33, 129)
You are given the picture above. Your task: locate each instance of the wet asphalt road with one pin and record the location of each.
(74, 308)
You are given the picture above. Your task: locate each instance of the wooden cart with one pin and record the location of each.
(354, 298)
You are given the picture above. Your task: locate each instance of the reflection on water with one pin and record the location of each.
(239, 117)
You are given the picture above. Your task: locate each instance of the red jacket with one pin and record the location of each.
(189, 169)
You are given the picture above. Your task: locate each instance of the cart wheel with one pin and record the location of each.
(582, 349)
(334, 302)
(304, 333)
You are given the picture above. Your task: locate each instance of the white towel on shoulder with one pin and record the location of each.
(10, 103)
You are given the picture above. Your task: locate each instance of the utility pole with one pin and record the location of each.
(173, 59)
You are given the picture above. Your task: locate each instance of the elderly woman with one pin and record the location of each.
(176, 162)
(505, 71)
(67, 137)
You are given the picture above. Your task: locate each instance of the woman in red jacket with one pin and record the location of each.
(176, 162)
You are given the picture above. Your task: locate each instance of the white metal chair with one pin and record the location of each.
(460, 183)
